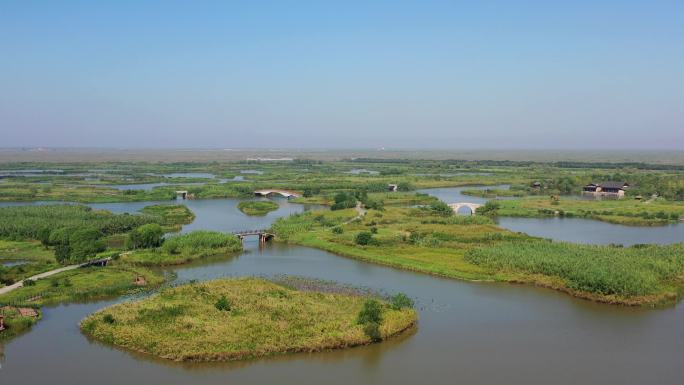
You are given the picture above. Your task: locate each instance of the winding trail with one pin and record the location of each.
(360, 213)
(7, 289)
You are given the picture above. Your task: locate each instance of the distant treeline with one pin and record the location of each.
(516, 163)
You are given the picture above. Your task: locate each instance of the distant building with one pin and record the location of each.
(614, 189)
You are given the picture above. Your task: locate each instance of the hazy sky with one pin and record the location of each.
(442, 74)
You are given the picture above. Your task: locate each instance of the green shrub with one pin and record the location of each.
(441, 208)
(370, 313)
(108, 318)
(400, 301)
(222, 304)
(363, 238)
(337, 230)
(372, 330)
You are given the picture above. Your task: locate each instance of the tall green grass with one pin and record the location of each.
(607, 270)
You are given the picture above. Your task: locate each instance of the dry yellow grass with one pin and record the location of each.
(183, 323)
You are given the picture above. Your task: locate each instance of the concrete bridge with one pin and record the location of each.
(264, 235)
(285, 193)
(471, 206)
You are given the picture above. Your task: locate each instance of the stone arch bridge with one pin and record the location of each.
(471, 206)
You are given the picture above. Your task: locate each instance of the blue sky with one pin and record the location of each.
(409, 74)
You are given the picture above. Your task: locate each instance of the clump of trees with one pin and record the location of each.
(75, 245)
(146, 236)
(344, 200)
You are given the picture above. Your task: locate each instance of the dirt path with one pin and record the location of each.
(7, 289)
(360, 213)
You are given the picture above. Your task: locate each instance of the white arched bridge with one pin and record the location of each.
(285, 193)
(472, 206)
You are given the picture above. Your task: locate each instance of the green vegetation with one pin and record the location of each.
(370, 317)
(31, 258)
(234, 319)
(472, 247)
(15, 323)
(185, 248)
(257, 207)
(609, 272)
(84, 284)
(75, 232)
(31, 222)
(620, 211)
(146, 236)
(171, 216)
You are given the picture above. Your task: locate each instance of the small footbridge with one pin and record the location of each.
(264, 235)
(472, 206)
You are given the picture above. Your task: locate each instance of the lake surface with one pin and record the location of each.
(589, 231)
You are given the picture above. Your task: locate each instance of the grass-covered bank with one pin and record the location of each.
(432, 241)
(235, 319)
(619, 211)
(85, 284)
(17, 323)
(185, 248)
(629, 275)
(258, 208)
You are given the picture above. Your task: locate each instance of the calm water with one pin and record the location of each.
(581, 230)
(190, 175)
(217, 214)
(455, 195)
(471, 333)
(13, 263)
(358, 171)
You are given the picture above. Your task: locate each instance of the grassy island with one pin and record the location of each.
(259, 208)
(171, 216)
(233, 319)
(431, 240)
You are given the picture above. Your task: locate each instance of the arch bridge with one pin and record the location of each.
(471, 206)
(285, 193)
